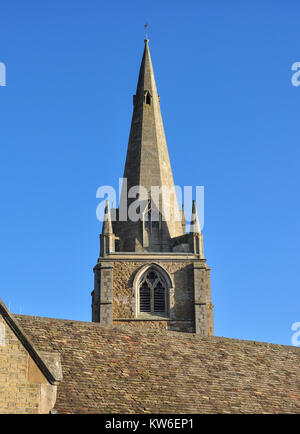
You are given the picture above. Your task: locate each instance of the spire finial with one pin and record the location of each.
(146, 32)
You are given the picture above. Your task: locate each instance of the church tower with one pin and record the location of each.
(150, 272)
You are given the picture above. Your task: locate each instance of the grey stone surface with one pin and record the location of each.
(127, 247)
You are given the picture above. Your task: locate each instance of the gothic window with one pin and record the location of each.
(148, 217)
(147, 97)
(153, 294)
(151, 218)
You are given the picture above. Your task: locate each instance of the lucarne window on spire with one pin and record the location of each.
(147, 97)
(151, 218)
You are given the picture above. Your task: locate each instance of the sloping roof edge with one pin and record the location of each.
(17, 330)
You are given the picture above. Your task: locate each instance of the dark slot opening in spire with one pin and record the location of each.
(147, 97)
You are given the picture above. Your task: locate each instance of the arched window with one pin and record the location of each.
(153, 293)
(151, 217)
(147, 97)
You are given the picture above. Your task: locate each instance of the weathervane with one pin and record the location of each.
(146, 30)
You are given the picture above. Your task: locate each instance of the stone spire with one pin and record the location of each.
(195, 232)
(183, 220)
(147, 161)
(150, 269)
(107, 237)
(195, 224)
(107, 225)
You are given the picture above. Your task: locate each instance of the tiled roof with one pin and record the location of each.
(121, 369)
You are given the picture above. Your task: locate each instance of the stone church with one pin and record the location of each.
(150, 347)
(150, 271)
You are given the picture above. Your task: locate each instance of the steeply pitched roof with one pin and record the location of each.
(132, 370)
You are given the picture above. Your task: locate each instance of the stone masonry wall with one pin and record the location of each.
(180, 300)
(24, 389)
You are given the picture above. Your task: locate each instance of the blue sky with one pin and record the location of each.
(231, 116)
